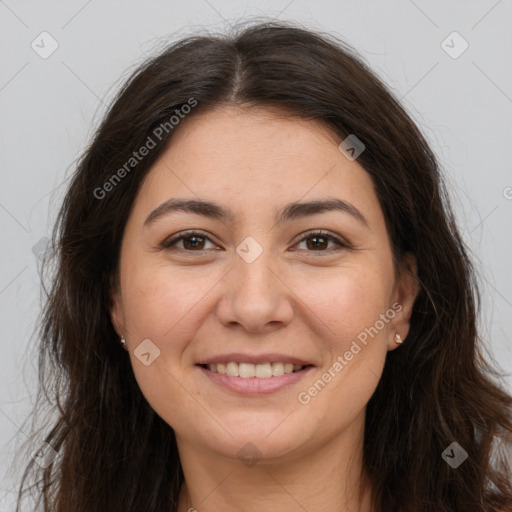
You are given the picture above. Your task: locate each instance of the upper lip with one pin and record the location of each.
(254, 359)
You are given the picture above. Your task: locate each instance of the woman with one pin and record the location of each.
(264, 231)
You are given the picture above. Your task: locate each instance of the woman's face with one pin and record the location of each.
(257, 283)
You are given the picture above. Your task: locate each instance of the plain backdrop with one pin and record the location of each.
(457, 87)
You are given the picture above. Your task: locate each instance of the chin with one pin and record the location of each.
(259, 438)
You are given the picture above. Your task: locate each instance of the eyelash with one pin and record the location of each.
(171, 241)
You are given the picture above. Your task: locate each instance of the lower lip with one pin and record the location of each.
(255, 385)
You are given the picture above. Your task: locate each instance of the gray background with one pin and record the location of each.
(50, 107)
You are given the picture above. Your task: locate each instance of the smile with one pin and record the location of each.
(249, 379)
(259, 371)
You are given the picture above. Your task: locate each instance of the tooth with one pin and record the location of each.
(263, 371)
(246, 370)
(277, 369)
(232, 369)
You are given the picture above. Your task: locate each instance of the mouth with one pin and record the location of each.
(251, 379)
(249, 370)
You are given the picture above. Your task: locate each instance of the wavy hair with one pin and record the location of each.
(113, 452)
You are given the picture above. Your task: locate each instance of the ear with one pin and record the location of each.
(405, 292)
(116, 310)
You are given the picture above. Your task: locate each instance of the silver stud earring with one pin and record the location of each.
(398, 339)
(123, 342)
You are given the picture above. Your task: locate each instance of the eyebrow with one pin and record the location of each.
(289, 212)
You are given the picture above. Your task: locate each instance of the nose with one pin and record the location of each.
(255, 297)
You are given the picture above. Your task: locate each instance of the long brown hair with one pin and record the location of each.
(113, 452)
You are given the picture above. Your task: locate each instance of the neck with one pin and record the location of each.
(323, 478)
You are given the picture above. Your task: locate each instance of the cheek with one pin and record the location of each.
(352, 300)
(352, 306)
(164, 305)
(160, 300)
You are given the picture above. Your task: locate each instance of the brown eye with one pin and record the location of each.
(319, 240)
(191, 241)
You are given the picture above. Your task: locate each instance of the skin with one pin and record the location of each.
(292, 299)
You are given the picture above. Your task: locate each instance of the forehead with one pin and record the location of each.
(251, 157)
(251, 134)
